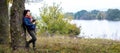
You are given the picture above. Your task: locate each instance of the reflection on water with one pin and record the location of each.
(99, 29)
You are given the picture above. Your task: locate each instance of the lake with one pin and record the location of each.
(98, 29)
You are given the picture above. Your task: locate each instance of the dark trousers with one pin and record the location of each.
(33, 35)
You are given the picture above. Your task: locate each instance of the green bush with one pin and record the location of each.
(53, 22)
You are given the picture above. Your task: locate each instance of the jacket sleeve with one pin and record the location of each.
(27, 22)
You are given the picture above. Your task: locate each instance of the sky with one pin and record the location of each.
(77, 5)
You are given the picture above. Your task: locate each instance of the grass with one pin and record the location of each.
(61, 44)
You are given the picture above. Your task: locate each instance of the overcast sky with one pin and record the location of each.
(77, 5)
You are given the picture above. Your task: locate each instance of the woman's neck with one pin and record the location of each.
(28, 16)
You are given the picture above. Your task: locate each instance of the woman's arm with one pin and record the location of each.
(27, 22)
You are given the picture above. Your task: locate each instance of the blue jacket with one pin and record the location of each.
(28, 24)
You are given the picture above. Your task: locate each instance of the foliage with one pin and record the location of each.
(53, 21)
(69, 15)
(110, 14)
(80, 14)
(101, 16)
(113, 14)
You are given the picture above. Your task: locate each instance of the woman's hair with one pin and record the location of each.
(25, 12)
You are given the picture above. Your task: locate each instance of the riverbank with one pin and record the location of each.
(60, 44)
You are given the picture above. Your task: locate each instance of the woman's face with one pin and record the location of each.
(28, 13)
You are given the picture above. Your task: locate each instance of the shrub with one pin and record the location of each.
(53, 22)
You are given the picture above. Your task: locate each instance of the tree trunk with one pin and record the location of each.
(16, 29)
(4, 22)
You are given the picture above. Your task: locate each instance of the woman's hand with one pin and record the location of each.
(34, 22)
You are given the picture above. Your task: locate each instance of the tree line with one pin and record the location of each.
(110, 14)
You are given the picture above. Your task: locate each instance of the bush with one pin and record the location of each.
(53, 22)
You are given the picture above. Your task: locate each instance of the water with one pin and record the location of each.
(99, 29)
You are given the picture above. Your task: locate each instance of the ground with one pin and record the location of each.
(62, 44)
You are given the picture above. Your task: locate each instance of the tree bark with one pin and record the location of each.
(4, 22)
(16, 29)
